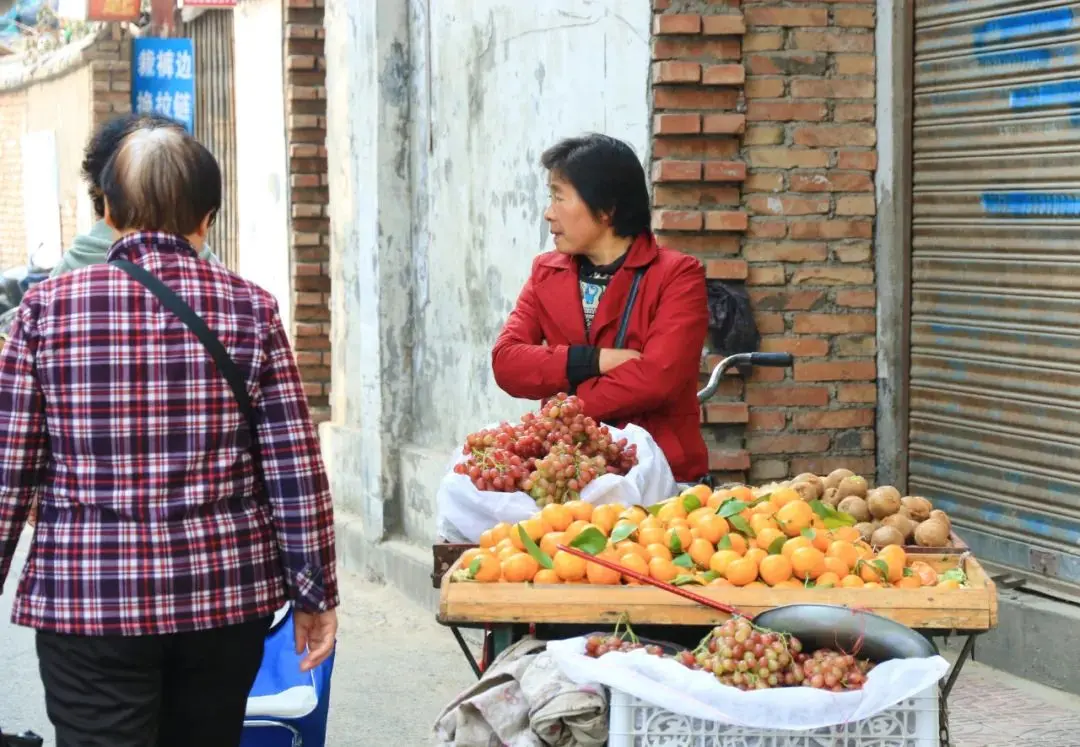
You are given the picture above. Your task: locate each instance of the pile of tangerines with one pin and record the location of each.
(723, 538)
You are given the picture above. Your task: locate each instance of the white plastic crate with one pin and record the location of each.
(911, 723)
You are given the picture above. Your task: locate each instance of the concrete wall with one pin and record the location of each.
(436, 126)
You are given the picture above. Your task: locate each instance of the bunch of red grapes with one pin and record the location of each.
(551, 455)
(748, 658)
(596, 646)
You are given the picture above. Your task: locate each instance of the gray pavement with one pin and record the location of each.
(396, 669)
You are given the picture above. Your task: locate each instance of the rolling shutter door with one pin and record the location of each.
(994, 429)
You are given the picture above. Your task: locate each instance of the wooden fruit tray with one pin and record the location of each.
(973, 608)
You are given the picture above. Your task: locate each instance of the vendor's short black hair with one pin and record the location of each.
(608, 176)
(161, 179)
(104, 144)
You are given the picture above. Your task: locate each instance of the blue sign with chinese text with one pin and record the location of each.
(163, 79)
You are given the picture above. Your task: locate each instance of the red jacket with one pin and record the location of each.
(668, 324)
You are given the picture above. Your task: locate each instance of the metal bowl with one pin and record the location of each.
(835, 627)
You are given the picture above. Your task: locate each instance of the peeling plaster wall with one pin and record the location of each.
(509, 80)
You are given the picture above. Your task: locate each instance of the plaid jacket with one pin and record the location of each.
(113, 415)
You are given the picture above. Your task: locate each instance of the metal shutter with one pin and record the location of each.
(994, 424)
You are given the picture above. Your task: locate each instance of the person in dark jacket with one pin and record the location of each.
(562, 333)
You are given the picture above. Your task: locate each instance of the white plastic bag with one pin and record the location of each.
(465, 512)
(667, 684)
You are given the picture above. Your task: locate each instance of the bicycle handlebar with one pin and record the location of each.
(774, 360)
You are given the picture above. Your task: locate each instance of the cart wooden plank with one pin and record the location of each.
(973, 608)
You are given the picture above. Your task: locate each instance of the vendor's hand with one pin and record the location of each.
(317, 632)
(31, 518)
(612, 358)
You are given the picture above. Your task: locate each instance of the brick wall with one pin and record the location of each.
(12, 226)
(769, 179)
(305, 101)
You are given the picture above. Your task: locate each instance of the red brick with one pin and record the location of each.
(676, 124)
(764, 181)
(676, 171)
(726, 220)
(723, 75)
(704, 50)
(854, 113)
(729, 460)
(687, 195)
(727, 412)
(854, 346)
(725, 171)
(835, 135)
(724, 25)
(833, 276)
(724, 124)
(788, 443)
(714, 244)
(697, 98)
(857, 159)
(786, 158)
(786, 396)
(766, 470)
(770, 205)
(785, 111)
(854, 17)
(831, 182)
(786, 17)
(867, 440)
(833, 41)
(856, 205)
(677, 23)
(764, 88)
(763, 41)
(661, 5)
(834, 324)
(784, 299)
(832, 89)
(725, 269)
(677, 220)
(689, 147)
(830, 419)
(766, 420)
(821, 465)
(767, 229)
(832, 229)
(766, 275)
(856, 299)
(785, 251)
(836, 371)
(676, 71)
(803, 347)
(769, 324)
(855, 64)
(763, 373)
(860, 393)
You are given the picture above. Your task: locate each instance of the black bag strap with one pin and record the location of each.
(209, 340)
(624, 323)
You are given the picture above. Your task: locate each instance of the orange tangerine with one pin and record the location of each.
(678, 523)
(793, 544)
(949, 583)
(837, 566)
(720, 560)
(783, 496)
(519, 568)
(534, 527)
(557, 516)
(546, 576)
(575, 529)
(789, 584)
(601, 576)
(851, 582)
(738, 543)
(716, 499)
(741, 493)
(488, 570)
(659, 550)
(847, 534)
(580, 510)
(795, 517)
(756, 585)
(471, 554)
(605, 517)
(625, 525)
(503, 544)
(925, 573)
(766, 537)
(508, 552)
(895, 556)
(828, 579)
(550, 541)
(817, 522)
(763, 509)
(651, 522)
(843, 550)
(672, 509)
(871, 571)
(636, 514)
(701, 492)
(807, 562)
(694, 517)
(678, 540)
(741, 571)
(713, 527)
(872, 585)
(863, 548)
(569, 567)
(487, 539)
(701, 552)
(634, 562)
(756, 554)
(822, 539)
(663, 569)
(720, 582)
(762, 522)
(651, 535)
(909, 582)
(774, 568)
(627, 547)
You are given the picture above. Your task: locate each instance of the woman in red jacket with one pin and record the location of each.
(610, 315)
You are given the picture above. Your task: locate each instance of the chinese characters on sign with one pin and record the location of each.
(164, 79)
(112, 10)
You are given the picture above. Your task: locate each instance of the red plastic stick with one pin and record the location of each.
(705, 601)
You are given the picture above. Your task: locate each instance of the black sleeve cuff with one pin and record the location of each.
(582, 362)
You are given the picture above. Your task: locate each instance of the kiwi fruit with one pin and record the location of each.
(941, 516)
(855, 506)
(882, 503)
(836, 477)
(865, 529)
(932, 533)
(916, 508)
(816, 486)
(831, 497)
(885, 536)
(901, 523)
(853, 485)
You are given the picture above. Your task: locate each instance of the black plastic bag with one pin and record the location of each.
(732, 328)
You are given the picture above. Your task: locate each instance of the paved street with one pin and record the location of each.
(394, 660)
